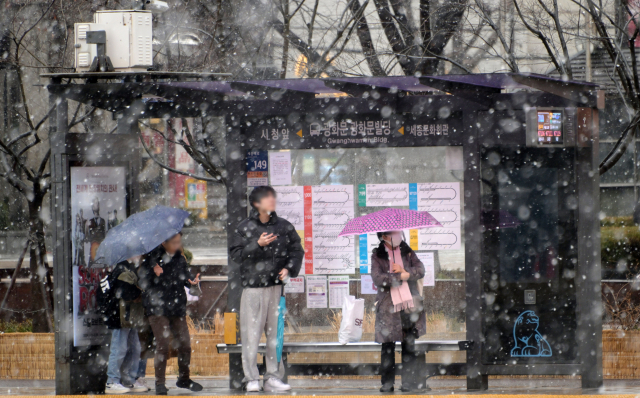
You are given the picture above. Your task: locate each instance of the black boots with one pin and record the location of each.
(161, 389)
(189, 384)
(386, 388)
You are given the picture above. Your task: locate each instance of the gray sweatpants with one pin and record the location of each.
(258, 312)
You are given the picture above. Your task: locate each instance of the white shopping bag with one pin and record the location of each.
(352, 318)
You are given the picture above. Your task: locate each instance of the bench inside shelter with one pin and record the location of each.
(346, 369)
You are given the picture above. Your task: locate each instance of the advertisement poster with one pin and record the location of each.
(280, 163)
(338, 290)
(316, 291)
(98, 203)
(195, 196)
(295, 285)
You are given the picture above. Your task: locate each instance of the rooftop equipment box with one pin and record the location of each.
(129, 40)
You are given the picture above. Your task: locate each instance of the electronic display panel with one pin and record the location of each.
(550, 127)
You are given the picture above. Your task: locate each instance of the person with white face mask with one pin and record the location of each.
(396, 270)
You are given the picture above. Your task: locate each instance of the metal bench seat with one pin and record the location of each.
(309, 369)
(366, 346)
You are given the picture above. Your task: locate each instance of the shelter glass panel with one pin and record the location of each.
(364, 180)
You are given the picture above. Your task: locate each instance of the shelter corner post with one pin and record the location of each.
(62, 278)
(236, 211)
(589, 274)
(476, 380)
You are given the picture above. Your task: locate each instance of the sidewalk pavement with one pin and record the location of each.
(307, 387)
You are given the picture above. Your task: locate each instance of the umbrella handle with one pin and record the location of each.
(393, 252)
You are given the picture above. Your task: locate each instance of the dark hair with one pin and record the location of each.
(172, 236)
(260, 193)
(383, 233)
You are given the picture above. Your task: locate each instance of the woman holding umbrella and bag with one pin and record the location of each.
(395, 270)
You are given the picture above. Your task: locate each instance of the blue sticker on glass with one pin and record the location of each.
(364, 256)
(529, 342)
(257, 161)
(413, 196)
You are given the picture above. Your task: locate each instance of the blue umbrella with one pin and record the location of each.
(139, 234)
(282, 309)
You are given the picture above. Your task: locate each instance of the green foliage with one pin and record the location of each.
(450, 274)
(620, 251)
(617, 222)
(16, 327)
(187, 255)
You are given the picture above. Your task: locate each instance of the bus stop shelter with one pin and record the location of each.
(509, 160)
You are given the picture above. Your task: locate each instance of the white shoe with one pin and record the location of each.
(253, 386)
(116, 388)
(140, 386)
(275, 385)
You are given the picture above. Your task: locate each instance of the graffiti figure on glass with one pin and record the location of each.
(528, 340)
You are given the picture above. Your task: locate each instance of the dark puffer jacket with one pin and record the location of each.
(259, 266)
(164, 295)
(125, 290)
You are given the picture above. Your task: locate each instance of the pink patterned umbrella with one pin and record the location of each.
(389, 220)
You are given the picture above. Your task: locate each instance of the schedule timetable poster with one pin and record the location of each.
(319, 213)
(442, 200)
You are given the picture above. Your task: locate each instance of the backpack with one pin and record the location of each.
(108, 306)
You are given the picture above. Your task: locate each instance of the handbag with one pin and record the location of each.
(195, 290)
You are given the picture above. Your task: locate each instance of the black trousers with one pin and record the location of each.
(410, 366)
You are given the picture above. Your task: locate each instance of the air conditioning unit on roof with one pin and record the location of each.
(129, 40)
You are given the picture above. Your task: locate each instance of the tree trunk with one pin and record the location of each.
(41, 303)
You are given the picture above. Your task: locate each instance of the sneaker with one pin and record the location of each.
(386, 388)
(161, 389)
(116, 388)
(275, 385)
(139, 386)
(252, 386)
(189, 384)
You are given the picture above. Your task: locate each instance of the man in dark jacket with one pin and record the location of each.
(163, 278)
(268, 250)
(124, 355)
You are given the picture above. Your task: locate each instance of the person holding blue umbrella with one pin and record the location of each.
(162, 277)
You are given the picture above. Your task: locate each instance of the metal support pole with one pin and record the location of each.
(62, 277)
(589, 273)
(236, 212)
(476, 380)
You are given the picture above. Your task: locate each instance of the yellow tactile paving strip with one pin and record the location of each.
(501, 395)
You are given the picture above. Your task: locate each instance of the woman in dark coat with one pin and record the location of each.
(399, 311)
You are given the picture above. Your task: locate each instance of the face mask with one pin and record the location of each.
(395, 238)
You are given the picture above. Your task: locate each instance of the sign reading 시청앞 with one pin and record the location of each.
(98, 203)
